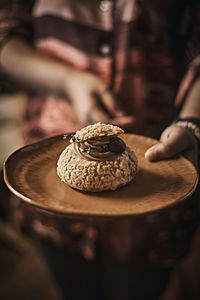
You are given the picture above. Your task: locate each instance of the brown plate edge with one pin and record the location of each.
(82, 215)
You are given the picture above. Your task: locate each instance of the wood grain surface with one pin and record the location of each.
(30, 173)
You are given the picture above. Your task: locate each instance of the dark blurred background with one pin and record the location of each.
(11, 115)
(23, 275)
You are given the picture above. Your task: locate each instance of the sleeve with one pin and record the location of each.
(15, 20)
(192, 56)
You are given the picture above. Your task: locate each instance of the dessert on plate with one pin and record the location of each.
(97, 159)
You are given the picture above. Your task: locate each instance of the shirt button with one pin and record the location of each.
(105, 50)
(105, 5)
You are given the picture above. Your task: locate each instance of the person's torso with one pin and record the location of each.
(137, 47)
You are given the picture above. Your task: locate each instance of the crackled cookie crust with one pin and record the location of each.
(93, 171)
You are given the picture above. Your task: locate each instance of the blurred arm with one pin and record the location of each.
(191, 107)
(33, 68)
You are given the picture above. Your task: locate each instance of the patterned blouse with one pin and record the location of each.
(148, 54)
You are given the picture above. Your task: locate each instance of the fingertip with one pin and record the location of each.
(150, 154)
(157, 152)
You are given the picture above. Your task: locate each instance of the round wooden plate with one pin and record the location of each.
(30, 173)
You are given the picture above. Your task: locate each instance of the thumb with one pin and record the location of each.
(174, 140)
(161, 151)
